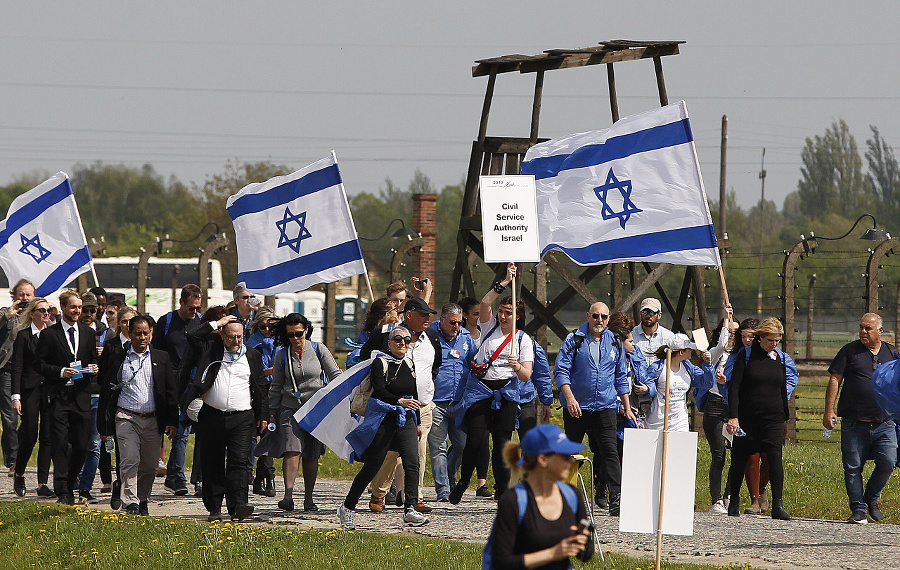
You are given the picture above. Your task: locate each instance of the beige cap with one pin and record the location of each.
(651, 303)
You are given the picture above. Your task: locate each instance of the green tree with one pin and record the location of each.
(884, 173)
(215, 192)
(831, 176)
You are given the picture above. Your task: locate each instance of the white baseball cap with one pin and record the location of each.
(680, 342)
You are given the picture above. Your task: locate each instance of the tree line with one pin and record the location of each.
(131, 206)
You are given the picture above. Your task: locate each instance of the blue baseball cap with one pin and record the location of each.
(547, 438)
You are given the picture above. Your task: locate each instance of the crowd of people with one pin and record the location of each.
(92, 377)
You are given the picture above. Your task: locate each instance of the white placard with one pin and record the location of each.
(509, 219)
(640, 482)
(700, 339)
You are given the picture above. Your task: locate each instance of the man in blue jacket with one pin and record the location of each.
(591, 376)
(457, 350)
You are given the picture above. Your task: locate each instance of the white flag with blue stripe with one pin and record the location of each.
(326, 416)
(295, 231)
(632, 192)
(42, 239)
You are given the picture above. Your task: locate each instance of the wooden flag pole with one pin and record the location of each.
(512, 341)
(369, 284)
(662, 471)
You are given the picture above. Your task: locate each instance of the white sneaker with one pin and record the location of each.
(414, 518)
(345, 517)
(725, 501)
(719, 508)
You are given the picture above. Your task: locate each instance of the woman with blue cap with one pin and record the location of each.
(537, 526)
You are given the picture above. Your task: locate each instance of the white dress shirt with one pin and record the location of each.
(230, 391)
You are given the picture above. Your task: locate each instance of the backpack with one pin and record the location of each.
(360, 400)
(568, 493)
(578, 340)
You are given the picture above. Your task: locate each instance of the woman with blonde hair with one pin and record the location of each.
(548, 530)
(758, 408)
(29, 400)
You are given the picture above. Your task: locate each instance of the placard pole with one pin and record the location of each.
(662, 471)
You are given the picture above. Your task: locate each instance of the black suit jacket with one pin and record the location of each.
(26, 374)
(164, 393)
(53, 354)
(210, 349)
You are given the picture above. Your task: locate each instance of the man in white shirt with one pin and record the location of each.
(231, 382)
(650, 335)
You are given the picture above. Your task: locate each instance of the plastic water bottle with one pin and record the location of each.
(827, 432)
(740, 433)
(110, 445)
(271, 426)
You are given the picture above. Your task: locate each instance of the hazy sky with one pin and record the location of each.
(187, 86)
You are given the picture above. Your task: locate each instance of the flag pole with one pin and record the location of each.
(362, 257)
(662, 471)
(512, 341)
(84, 237)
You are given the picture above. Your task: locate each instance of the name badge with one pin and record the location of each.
(454, 354)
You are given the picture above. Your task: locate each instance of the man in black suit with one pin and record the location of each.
(67, 358)
(231, 382)
(138, 400)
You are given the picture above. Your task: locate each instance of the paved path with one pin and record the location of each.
(767, 543)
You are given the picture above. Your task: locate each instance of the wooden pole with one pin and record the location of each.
(512, 341)
(662, 471)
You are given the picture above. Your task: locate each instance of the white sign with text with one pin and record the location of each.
(509, 219)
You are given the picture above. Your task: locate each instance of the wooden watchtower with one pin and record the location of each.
(503, 155)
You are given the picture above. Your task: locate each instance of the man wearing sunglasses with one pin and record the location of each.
(425, 352)
(866, 429)
(170, 335)
(89, 309)
(457, 350)
(592, 376)
(650, 335)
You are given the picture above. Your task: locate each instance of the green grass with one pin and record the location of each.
(48, 536)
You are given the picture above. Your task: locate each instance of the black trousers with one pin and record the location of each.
(527, 417)
(405, 441)
(225, 457)
(712, 427)
(35, 426)
(600, 427)
(486, 426)
(744, 447)
(70, 427)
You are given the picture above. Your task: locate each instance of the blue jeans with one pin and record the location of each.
(443, 467)
(175, 469)
(92, 461)
(861, 441)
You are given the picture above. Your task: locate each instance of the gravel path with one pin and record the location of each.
(767, 543)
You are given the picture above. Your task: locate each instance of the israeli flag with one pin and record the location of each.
(326, 416)
(632, 192)
(42, 239)
(295, 231)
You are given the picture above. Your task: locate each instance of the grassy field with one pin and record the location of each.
(49, 536)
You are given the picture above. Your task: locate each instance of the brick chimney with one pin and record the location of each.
(425, 222)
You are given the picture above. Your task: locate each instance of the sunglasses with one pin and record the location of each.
(89, 310)
(402, 339)
(455, 323)
(648, 312)
(193, 309)
(298, 334)
(246, 297)
(41, 310)
(265, 327)
(599, 316)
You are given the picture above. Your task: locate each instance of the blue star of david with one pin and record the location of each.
(302, 233)
(41, 254)
(624, 188)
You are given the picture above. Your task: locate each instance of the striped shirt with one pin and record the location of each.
(136, 376)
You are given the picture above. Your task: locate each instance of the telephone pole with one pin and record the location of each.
(762, 206)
